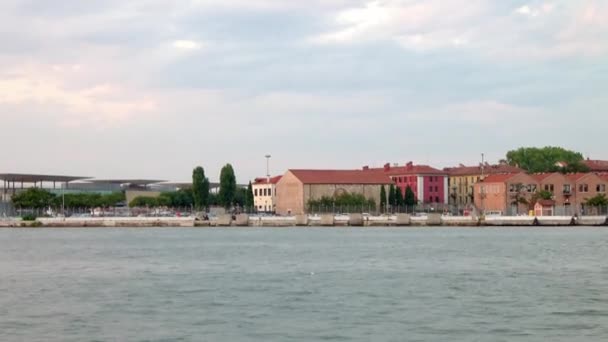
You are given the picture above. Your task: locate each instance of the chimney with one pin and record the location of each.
(409, 165)
(387, 167)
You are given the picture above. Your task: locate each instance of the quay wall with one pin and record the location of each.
(355, 220)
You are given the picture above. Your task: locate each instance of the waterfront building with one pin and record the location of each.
(297, 187)
(430, 185)
(462, 180)
(265, 193)
(586, 186)
(513, 194)
(505, 194)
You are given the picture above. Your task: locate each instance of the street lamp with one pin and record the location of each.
(268, 156)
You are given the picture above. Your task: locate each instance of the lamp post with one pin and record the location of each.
(268, 156)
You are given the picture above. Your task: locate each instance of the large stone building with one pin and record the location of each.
(462, 180)
(297, 187)
(265, 194)
(428, 184)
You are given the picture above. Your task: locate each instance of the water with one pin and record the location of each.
(512, 284)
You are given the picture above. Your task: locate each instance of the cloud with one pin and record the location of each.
(104, 104)
(187, 45)
(479, 26)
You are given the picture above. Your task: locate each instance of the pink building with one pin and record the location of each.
(429, 185)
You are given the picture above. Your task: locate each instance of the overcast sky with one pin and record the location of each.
(152, 88)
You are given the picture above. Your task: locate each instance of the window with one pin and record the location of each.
(275, 191)
(255, 192)
(512, 188)
(549, 187)
(436, 189)
(437, 199)
(583, 188)
(531, 188)
(567, 188)
(430, 199)
(601, 188)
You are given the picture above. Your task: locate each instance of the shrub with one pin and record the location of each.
(29, 217)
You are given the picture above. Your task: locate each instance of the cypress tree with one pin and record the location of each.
(410, 198)
(382, 198)
(399, 197)
(391, 195)
(227, 192)
(249, 199)
(200, 188)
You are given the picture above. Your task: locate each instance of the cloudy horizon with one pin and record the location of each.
(151, 88)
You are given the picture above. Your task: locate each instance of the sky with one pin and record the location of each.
(153, 88)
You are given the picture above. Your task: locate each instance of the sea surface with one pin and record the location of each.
(325, 284)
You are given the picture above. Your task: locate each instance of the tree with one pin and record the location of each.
(149, 202)
(399, 197)
(547, 159)
(382, 198)
(249, 201)
(200, 188)
(598, 201)
(391, 195)
(410, 197)
(33, 198)
(227, 192)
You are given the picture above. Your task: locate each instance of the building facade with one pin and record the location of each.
(516, 194)
(428, 184)
(462, 180)
(265, 194)
(297, 187)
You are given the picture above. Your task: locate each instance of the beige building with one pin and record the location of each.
(462, 180)
(298, 187)
(265, 194)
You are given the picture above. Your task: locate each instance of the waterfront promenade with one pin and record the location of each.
(329, 220)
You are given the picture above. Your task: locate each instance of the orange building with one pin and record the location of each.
(505, 194)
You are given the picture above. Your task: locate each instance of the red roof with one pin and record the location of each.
(577, 176)
(476, 170)
(341, 177)
(408, 169)
(542, 176)
(597, 165)
(499, 178)
(273, 180)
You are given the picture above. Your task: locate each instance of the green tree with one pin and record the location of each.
(33, 198)
(547, 159)
(200, 188)
(598, 201)
(410, 197)
(382, 198)
(391, 195)
(228, 189)
(149, 202)
(249, 200)
(399, 201)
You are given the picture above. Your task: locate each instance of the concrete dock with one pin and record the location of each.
(353, 220)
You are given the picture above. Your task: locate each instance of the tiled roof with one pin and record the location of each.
(476, 170)
(341, 177)
(577, 176)
(596, 165)
(542, 176)
(261, 181)
(409, 170)
(499, 178)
